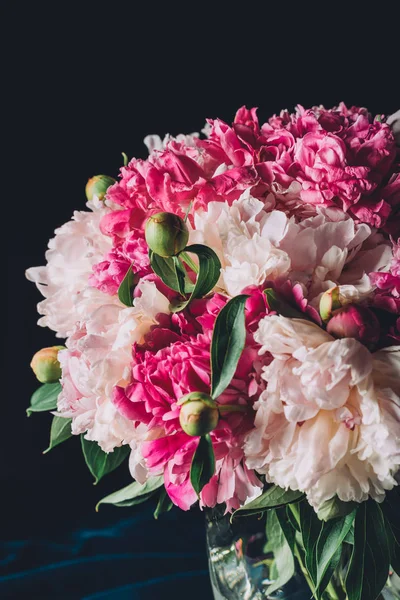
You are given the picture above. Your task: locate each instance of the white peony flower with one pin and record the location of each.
(246, 238)
(76, 247)
(255, 244)
(328, 423)
(98, 357)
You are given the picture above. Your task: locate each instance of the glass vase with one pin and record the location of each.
(240, 567)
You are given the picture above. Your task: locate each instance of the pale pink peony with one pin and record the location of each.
(328, 422)
(77, 246)
(175, 361)
(387, 294)
(259, 246)
(98, 357)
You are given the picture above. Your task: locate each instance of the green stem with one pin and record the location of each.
(295, 512)
(297, 554)
(185, 256)
(331, 590)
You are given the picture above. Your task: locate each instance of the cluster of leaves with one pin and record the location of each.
(345, 551)
(99, 463)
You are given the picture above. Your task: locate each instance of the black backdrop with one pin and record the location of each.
(83, 84)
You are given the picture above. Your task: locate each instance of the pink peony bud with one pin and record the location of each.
(328, 303)
(199, 414)
(98, 186)
(355, 321)
(45, 364)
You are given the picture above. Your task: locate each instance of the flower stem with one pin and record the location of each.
(297, 554)
(331, 591)
(185, 257)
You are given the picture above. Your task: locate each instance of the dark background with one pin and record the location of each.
(83, 84)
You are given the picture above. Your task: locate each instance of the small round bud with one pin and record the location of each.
(166, 234)
(355, 321)
(98, 186)
(329, 302)
(45, 364)
(199, 414)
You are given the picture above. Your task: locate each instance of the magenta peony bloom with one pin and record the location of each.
(174, 361)
(353, 321)
(109, 273)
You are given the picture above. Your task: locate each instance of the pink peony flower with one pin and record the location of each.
(321, 167)
(174, 361)
(327, 422)
(109, 273)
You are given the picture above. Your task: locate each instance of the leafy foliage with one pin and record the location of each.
(44, 398)
(101, 463)
(203, 464)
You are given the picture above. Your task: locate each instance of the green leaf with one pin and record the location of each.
(310, 527)
(284, 561)
(125, 157)
(291, 517)
(44, 398)
(125, 290)
(134, 493)
(101, 463)
(164, 504)
(288, 530)
(207, 277)
(328, 548)
(334, 508)
(227, 344)
(165, 268)
(369, 563)
(281, 307)
(394, 548)
(203, 464)
(60, 432)
(349, 539)
(274, 497)
(332, 566)
(390, 509)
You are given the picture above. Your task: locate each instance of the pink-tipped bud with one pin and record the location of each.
(355, 321)
(199, 414)
(328, 303)
(98, 186)
(45, 364)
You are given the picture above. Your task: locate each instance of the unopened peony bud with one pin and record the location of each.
(355, 321)
(45, 364)
(98, 186)
(328, 303)
(166, 234)
(199, 414)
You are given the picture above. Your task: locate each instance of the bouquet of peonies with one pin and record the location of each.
(231, 309)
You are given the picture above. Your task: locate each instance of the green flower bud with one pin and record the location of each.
(199, 414)
(45, 364)
(328, 303)
(166, 234)
(98, 186)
